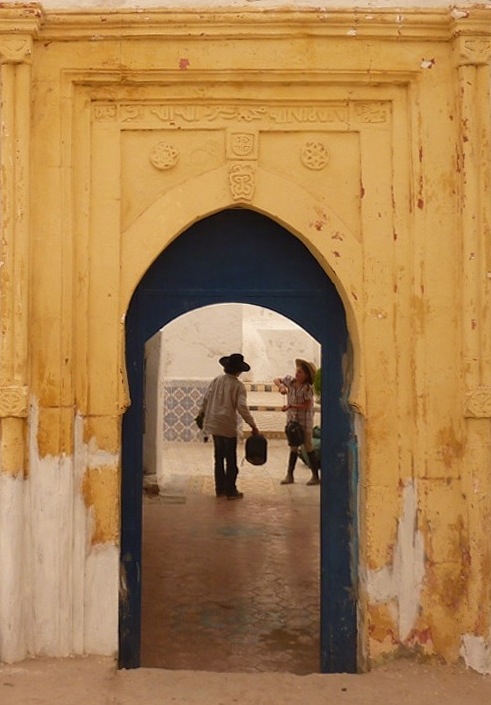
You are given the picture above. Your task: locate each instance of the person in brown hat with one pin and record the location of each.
(226, 397)
(300, 408)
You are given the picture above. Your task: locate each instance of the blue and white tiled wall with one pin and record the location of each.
(181, 400)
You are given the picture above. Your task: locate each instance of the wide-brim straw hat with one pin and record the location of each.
(308, 367)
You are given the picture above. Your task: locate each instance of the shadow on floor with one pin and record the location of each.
(230, 586)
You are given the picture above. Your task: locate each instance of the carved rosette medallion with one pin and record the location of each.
(164, 156)
(478, 403)
(314, 155)
(13, 401)
(242, 180)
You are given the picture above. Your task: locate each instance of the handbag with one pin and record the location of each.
(294, 433)
(256, 449)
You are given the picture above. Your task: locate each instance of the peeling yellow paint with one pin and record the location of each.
(13, 446)
(449, 582)
(381, 513)
(105, 430)
(55, 432)
(100, 490)
(382, 627)
(451, 447)
(446, 642)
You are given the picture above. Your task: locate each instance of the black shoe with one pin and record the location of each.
(220, 494)
(235, 495)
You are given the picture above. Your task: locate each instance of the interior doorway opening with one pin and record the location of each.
(182, 358)
(226, 588)
(242, 256)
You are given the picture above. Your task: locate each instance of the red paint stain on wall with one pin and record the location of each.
(183, 64)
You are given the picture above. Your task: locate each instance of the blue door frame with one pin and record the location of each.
(241, 256)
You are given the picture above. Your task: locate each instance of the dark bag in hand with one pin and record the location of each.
(294, 433)
(256, 449)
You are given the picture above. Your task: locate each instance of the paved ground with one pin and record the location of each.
(226, 585)
(94, 681)
(186, 485)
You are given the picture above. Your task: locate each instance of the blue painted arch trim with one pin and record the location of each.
(241, 256)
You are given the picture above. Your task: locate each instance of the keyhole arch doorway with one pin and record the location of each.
(242, 256)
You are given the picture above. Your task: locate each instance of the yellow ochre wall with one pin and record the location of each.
(367, 135)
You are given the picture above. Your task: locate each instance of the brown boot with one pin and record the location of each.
(288, 479)
(314, 468)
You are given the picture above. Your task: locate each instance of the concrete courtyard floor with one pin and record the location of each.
(186, 484)
(96, 681)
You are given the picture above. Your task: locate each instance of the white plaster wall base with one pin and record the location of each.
(58, 592)
(476, 653)
(49, 550)
(101, 601)
(13, 645)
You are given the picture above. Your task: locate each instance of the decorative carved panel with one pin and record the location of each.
(242, 178)
(475, 50)
(15, 50)
(13, 401)
(242, 144)
(478, 403)
(164, 156)
(314, 155)
(174, 115)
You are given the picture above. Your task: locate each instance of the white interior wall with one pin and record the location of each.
(271, 343)
(192, 344)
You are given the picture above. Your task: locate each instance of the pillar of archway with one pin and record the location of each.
(15, 89)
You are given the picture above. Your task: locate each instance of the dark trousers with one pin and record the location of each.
(226, 469)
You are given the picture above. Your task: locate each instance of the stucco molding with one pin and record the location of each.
(478, 403)
(19, 25)
(434, 24)
(265, 23)
(13, 401)
(473, 57)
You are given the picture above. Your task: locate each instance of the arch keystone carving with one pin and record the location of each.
(242, 180)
